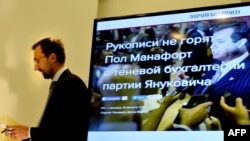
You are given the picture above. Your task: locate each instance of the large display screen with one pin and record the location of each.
(145, 68)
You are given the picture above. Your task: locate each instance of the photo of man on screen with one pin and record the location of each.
(230, 73)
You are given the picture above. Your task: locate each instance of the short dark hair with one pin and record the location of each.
(241, 29)
(50, 45)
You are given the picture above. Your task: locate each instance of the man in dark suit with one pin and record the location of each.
(229, 75)
(230, 48)
(66, 114)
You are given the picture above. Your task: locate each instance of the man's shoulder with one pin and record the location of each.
(67, 75)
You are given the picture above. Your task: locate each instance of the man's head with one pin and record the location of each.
(230, 40)
(203, 26)
(160, 31)
(135, 30)
(49, 56)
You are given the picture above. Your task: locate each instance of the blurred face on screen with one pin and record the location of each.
(223, 47)
(42, 63)
(135, 30)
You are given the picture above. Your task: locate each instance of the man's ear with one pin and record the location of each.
(52, 57)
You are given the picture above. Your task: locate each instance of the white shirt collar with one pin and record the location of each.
(201, 32)
(59, 73)
(238, 59)
(232, 63)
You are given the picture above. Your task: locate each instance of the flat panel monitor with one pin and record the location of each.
(146, 67)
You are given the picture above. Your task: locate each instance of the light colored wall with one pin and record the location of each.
(23, 91)
(109, 8)
(23, 22)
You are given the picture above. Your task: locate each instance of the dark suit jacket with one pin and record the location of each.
(66, 114)
(237, 82)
